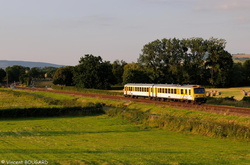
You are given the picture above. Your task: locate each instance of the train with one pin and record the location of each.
(166, 92)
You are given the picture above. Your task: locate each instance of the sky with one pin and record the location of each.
(63, 31)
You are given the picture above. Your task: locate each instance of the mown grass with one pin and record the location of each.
(114, 92)
(182, 120)
(106, 140)
(229, 92)
(102, 139)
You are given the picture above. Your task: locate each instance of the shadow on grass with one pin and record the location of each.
(60, 133)
(81, 151)
(16, 113)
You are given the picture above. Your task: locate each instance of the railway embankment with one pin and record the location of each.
(185, 121)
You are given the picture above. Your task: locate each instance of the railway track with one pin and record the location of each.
(218, 109)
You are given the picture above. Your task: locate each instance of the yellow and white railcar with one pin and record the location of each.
(190, 93)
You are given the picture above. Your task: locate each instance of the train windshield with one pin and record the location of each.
(199, 90)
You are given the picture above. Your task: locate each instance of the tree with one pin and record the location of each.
(133, 73)
(64, 76)
(237, 76)
(155, 61)
(118, 69)
(194, 60)
(92, 72)
(246, 67)
(36, 72)
(14, 72)
(49, 71)
(2, 74)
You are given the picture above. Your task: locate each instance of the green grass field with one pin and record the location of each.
(101, 139)
(106, 140)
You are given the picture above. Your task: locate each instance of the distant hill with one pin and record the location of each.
(241, 57)
(6, 63)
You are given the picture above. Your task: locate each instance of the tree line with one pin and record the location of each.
(25, 75)
(180, 61)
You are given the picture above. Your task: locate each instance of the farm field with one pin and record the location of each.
(105, 140)
(229, 92)
(101, 139)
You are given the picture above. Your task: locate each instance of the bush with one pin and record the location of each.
(246, 98)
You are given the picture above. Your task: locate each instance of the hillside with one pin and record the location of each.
(240, 57)
(6, 63)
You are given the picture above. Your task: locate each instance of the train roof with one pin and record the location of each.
(139, 85)
(161, 85)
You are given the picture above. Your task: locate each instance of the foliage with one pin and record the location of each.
(118, 69)
(2, 74)
(133, 73)
(36, 72)
(92, 72)
(246, 67)
(190, 61)
(15, 72)
(64, 76)
(26, 75)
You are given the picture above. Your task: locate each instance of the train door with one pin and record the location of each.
(152, 91)
(149, 91)
(155, 92)
(126, 90)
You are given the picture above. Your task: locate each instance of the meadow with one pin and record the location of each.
(229, 92)
(102, 139)
(105, 140)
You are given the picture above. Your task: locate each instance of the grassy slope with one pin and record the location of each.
(101, 139)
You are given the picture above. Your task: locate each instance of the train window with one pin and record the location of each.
(186, 91)
(174, 91)
(189, 91)
(181, 91)
(199, 90)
